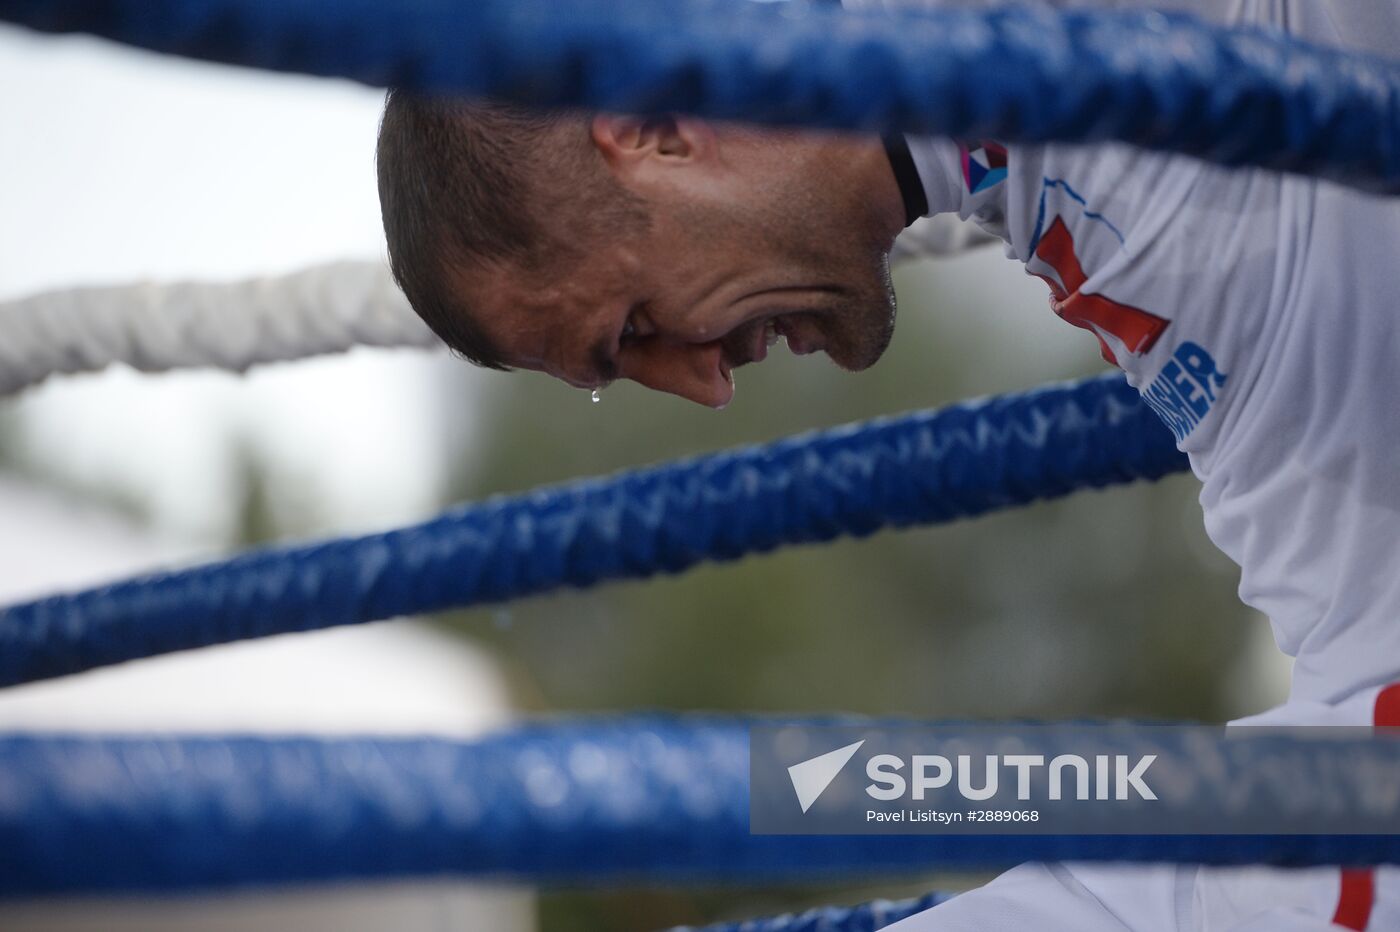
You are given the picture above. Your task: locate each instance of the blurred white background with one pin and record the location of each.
(120, 166)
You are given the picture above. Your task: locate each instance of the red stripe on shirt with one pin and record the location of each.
(1358, 893)
(1355, 900)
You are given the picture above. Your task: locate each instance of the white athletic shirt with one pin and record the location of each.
(1259, 315)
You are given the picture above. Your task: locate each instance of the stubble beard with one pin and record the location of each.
(860, 333)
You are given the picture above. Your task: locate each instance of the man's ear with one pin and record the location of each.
(629, 143)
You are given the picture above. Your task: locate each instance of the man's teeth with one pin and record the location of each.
(770, 332)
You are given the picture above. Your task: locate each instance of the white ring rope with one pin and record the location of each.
(154, 327)
(324, 309)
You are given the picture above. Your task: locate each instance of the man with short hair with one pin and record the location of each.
(1254, 311)
(667, 250)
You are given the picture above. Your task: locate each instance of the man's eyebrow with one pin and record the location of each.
(604, 363)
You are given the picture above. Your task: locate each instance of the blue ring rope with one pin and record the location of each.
(921, 468)
(1239, 97)
(867, 917)
(650, 799)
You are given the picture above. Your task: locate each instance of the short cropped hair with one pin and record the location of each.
(466, 184)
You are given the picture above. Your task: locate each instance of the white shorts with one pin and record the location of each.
(1184, 897)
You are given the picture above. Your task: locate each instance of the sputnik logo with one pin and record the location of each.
(811, 777)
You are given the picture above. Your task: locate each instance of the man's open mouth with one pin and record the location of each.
(765, 338)
(751, 343)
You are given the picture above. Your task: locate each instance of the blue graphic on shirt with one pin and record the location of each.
(1049, 184)
(1186, 389)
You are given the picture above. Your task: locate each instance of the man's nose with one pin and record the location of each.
(695, 371)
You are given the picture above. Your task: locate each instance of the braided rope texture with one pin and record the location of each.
(868, 917)
(647, 799)
(923, 468)
(235, 325)
(1238, 96)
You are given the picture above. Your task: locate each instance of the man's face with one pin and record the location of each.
(755, 238)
